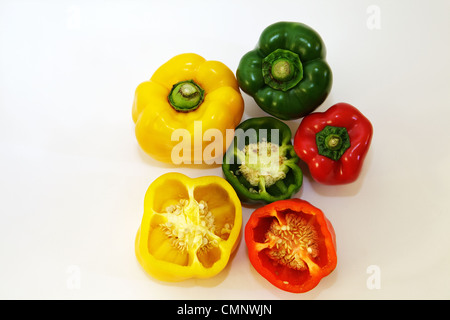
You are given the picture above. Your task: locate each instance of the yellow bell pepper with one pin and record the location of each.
(189, 228)
(188, 93)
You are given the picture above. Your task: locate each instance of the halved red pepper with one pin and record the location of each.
(334, 143)
(291, 244)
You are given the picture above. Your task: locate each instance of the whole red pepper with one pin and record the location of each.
(334, 143)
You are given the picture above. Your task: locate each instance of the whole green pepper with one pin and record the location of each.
(286, 73)
(261, 163)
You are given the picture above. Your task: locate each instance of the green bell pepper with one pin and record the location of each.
(261, 163)
(286, 73)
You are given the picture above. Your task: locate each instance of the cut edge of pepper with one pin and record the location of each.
(289, 165)
(315, 271)
(196, 269)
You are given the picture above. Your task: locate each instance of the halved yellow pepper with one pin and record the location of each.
(189, 228)
(185, 90)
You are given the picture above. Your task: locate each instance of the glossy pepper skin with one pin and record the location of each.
(334, 143)
(286, 74)
(185, 91)
(291, 244)
(273, 173)
(189, 228)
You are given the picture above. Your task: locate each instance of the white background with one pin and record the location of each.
(73, 177)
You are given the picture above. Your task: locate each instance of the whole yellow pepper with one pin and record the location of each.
(192, 94)
(189, 228)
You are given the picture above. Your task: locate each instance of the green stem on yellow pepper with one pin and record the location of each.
(186, 96)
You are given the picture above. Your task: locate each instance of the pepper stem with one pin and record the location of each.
(186, 96)
(332, 142)
(282, 69)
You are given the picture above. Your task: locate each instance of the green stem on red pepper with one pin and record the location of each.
(332, 142)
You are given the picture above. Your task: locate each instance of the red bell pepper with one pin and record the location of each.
(334, 143)
(291, 244)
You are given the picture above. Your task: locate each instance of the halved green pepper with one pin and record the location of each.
(261, 164)
(286, 73)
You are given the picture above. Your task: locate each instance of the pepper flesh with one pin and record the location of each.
(286, 74)
(347, 135)
(291, 244)
(261, 164)
(185, 90)
(189, 228)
